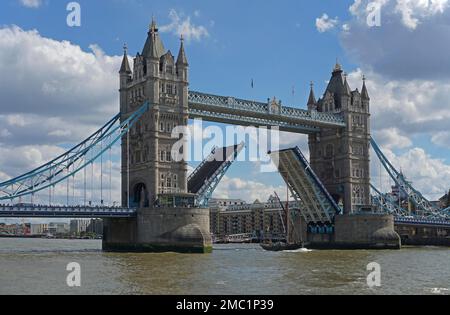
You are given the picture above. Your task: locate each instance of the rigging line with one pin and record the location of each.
(92, 182)
(101, 175)
(84, 171)
(73, 185)
(128, 168)
(67, 183)
(110, 177)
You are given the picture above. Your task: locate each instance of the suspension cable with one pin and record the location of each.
(110, 177)
(101, 174)
(85, 171)
(128, 168)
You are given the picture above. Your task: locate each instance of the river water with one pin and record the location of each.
(38, 266)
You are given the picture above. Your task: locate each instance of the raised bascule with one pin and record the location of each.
(165, 210)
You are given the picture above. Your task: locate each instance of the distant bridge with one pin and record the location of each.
(38, 211)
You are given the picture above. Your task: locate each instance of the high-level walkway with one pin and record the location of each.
(236, 111)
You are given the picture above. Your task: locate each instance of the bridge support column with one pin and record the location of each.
(366, 231)
(358, 231)
(184, 230)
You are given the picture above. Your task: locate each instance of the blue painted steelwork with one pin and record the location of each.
(421, 222)
(386, 203)
(37, 211)
(70, 155)
(71, 162)
(244, 112)
(205, 192)
(317, 206)
(423, 206)
(446, 211)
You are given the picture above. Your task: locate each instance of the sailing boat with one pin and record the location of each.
(286, 221)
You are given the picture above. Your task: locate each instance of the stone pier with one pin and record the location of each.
(184, 230)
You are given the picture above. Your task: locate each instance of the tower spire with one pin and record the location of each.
(312, 98)
(125, 67)
(153, 28)
(182, 59)
(348, 91)
(337, 66)
(364, 92)
(154, 47)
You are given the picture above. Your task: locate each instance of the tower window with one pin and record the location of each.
(169, 88)
(175, 181)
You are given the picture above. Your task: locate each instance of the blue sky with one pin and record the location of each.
(278, 44)
(253, 39)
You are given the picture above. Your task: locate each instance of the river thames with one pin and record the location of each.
(38, 266)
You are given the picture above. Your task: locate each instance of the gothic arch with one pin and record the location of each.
(139, 197)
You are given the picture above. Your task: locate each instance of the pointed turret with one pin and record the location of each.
(364, 92)
(154, 47)
(347, 89)
(125, 67)
(336, 84)
(312, 98)
(336, 87)
(182, 60)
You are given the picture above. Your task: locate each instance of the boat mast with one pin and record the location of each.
(288, 230)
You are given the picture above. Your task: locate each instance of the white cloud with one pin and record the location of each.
(56, 86)
(325, 23)
(413, 11)
(16, 160)
(248, 190)
(31, 3)
(409, 91)
(4, 133)
(181, 25)
(442, 139)
(392, 139)
(411, 107)
(58, 95)
(429, 175)
(406, 26)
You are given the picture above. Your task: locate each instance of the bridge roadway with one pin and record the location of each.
(422, 222)
(230, 110)
(42, 211)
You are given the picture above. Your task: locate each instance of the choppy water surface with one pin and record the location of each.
(37, 266)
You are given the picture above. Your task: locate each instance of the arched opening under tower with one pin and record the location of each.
(140, 196)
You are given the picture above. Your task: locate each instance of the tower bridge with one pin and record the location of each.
(164, 209)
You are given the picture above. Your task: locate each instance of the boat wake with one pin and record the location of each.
(300, 250)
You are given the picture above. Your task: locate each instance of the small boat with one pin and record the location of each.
(286, 221)
(280, 246)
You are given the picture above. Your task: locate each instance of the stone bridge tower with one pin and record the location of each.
(341, 159)
(152, 182)
(148, 169)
